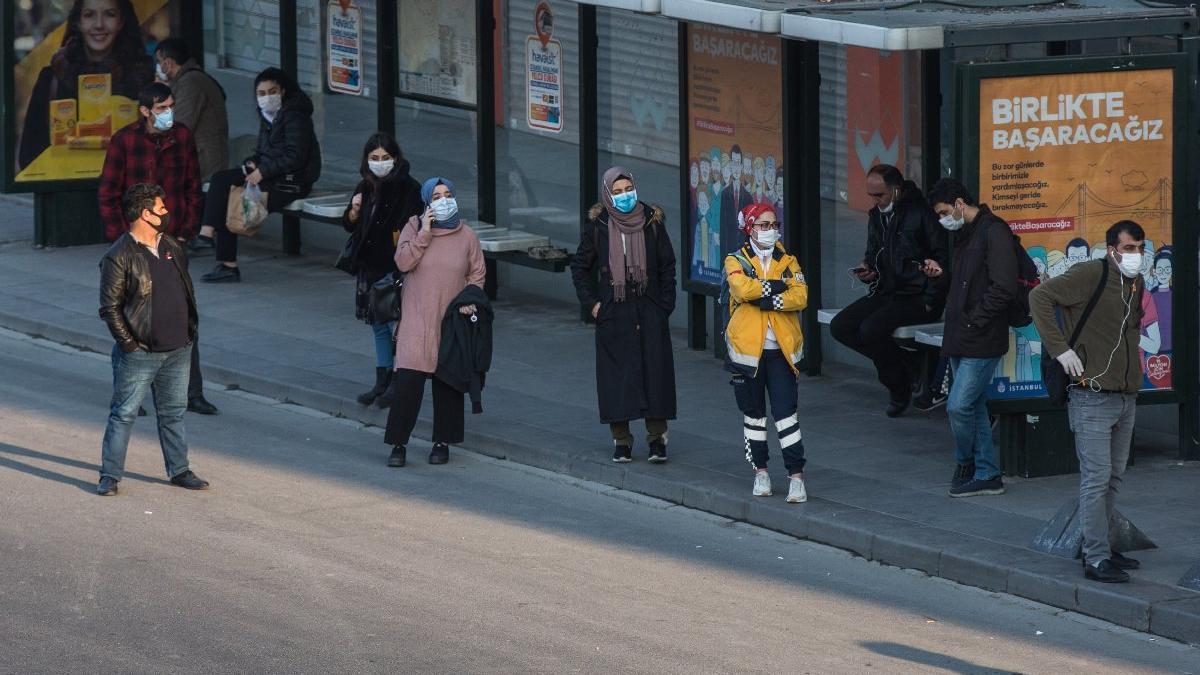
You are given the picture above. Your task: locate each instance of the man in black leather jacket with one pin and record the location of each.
(146, 298)
(903, 238)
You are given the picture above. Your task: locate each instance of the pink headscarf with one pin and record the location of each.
(626, 238)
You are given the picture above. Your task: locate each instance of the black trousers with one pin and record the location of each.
(196, 380)
(866, 326)
(216, 203)
(409, 388)
(776, 380)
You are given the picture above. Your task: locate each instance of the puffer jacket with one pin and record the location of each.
(126, 288)
(747, 329)
(288, 151)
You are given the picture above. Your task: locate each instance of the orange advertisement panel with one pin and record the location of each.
(735, 138)
(875, 121)
(79, 67)
(1062, 158)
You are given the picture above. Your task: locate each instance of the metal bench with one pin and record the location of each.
(922, 337)
(499, 244)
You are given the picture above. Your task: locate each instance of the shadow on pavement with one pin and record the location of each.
(932, 659)
(84, 485)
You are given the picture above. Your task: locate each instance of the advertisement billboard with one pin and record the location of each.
(436, 46)
(1062, 157)
(77, 71)
(734, 141)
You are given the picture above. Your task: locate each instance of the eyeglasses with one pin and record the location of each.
(766, 225)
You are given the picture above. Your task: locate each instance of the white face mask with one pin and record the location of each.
(766, 239)
(1130, 264)
(158, 70)
(271, 103)
(444, 209)
(888, 209)
(381, 167)
(951, 223)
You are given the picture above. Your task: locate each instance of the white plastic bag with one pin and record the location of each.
(246, 211)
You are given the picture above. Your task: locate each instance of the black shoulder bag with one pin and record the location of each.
(1053, 375)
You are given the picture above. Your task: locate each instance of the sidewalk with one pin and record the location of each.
(877, 486)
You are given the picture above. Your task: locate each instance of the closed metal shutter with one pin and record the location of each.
(250, 34)
(833, 122)
(638, 73)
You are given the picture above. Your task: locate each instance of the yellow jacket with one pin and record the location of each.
(747, 329)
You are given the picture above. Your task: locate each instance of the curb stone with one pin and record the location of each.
(1169, 611)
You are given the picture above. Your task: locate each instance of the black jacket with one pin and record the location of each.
(982, 284)
(125, 291)
(898, 242)
(386, 208)
(635, 366)
(288, 151)
(465, 352)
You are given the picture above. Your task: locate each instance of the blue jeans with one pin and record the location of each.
(165, 374)
(385, 347)
(967, 409)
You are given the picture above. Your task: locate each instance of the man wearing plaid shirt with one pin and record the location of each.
(157, 151)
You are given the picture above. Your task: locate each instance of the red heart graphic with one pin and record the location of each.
(1158, 369)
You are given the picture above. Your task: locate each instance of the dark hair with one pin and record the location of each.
(128, 48)
(1080, 242)
(138, 198)
(949, 190)
(175, 49)
(1129, 227)
(153, 94)
(736, 148)
(1166, 253)
(278, 76)
(385, 141)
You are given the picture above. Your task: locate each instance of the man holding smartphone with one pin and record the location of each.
(903, 239)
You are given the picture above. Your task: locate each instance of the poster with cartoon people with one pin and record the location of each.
(735, 140)
(1062, 158)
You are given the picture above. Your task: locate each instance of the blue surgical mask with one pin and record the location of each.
(625, 201)
(445, 212)
(164, 120)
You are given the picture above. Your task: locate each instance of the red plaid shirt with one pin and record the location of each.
(168, 159)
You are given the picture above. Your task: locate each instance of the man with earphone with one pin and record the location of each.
(1106, 374)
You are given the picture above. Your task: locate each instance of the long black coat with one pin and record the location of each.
(982, 283)
(635, 368)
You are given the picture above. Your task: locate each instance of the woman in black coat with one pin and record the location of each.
(382, 203)
(286, 163)
(626, 243)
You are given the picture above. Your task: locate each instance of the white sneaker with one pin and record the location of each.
(762, 484)
(796, 492)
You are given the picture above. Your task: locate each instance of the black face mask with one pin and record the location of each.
(163, 219)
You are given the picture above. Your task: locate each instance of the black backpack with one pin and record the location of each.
(1017, 313)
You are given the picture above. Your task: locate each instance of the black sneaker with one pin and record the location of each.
(976, 488)
(189, 481)
(963, 473)
(1123, 562)
(622, 454)
(222, 274)
(107, 487)
(201, 246)
(931, 402)
(201, 406)
(1106, 573)
(398, 456)
(897, 406)
(440, 454)
(658, 452)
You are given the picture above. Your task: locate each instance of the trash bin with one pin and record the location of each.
(66, 219)
(1036, 444)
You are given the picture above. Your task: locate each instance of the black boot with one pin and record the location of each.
(382, 377)
(440, 454)
(389, 392)
(399, 454)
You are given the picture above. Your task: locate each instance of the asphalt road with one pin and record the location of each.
(308, 555)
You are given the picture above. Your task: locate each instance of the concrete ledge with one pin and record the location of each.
(1126, 604)
(1177, 619)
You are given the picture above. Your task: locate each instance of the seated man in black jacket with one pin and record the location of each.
(146, 299)
(985, 277)
(902, 241)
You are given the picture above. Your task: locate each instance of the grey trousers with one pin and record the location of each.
(1103, 426)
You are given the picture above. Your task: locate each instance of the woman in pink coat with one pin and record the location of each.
(439, 256)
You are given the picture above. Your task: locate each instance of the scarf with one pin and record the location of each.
(427, 189)
(626, 238)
